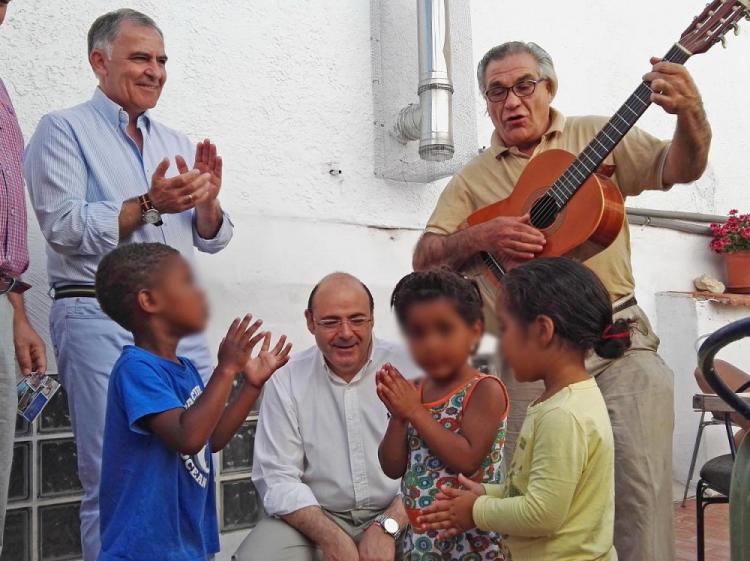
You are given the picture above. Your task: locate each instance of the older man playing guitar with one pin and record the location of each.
(519, 83)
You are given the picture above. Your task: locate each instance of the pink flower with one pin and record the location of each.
(745, 233)
(733, 211)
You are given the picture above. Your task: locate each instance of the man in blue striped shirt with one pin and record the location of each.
(105, 173)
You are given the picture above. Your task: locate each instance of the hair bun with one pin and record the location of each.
(615, 340)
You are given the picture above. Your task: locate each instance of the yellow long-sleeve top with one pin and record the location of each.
(557, 502)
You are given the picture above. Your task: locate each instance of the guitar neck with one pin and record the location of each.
(605, 141)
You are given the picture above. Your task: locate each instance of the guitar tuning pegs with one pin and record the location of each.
(723, 41)
(736, 29)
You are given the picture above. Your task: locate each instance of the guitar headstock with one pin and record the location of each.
(711, 26)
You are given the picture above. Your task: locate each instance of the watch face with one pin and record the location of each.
(151, 216)
(390, 525)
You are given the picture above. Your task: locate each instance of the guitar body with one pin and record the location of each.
(589, 223)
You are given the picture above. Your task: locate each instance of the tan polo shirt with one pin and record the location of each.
(638, 159)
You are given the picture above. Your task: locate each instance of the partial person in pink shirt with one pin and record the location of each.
(17, 337)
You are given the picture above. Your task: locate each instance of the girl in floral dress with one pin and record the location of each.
(452, 422)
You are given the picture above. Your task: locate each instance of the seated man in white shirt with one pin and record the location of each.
(316, 462)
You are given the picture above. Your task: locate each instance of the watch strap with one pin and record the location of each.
(146, 205)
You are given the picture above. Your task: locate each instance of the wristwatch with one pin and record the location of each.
(389, 526)
(149, 213)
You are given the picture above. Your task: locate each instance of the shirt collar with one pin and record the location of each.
(113, 112)
(361, 374)
(557, 124)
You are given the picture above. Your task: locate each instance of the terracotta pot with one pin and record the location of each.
(738, 271)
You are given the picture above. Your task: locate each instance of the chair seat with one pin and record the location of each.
(717, 473)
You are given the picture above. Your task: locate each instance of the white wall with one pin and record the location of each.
(284, 88)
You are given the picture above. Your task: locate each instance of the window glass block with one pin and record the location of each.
(237, 456)
(240, 505)
(58, 472)
(17, 536)
(23, 428)
(55, 417)
(20, 473)
(59, 532)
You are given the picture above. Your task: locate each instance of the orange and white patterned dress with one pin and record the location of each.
(426, 474)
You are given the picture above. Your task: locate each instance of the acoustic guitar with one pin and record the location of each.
(569, 198)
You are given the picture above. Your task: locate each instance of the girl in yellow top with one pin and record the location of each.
(557, 502)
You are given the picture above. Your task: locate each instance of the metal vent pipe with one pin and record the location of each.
(431, 121)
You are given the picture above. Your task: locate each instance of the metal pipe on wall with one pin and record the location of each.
(431, 121)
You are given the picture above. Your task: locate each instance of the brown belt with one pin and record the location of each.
(622, 306)
(9, 284)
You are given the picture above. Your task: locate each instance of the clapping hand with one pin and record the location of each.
(399, 395)
(235, 348)
(208, 161)
(451, 514)
(180, 193)
(259, 369)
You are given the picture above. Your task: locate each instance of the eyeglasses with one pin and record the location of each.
(523, 88)
(336, 324)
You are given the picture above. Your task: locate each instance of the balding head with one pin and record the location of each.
(340, 316)
(336, 281)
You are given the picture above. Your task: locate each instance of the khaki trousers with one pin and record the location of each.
(8, 403)
(275, 540)
(639, 392)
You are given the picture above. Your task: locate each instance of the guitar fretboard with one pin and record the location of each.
(605, 141)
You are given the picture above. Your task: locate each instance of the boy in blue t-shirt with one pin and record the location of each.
(157, 498)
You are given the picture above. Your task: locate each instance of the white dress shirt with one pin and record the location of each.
(317, 438)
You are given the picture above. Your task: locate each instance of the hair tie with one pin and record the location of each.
(607, 335)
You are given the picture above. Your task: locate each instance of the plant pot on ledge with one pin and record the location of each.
(737, 264)
(732, 241)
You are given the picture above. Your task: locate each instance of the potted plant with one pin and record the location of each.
(732, 240)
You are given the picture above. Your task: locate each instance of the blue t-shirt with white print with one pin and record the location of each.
(155, 503)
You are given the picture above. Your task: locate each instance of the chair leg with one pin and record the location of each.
(696, 447)
(699, 512)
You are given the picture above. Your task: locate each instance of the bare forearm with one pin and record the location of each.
(688, 153)
(17, 303)
(453, 250)
(130, 219)
(208, 220)
(187, 431)
(393, 452)
(453, 449)
(315, 525)
(233, 417)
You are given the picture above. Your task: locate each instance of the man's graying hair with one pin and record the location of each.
(105, 29)
(546, 66)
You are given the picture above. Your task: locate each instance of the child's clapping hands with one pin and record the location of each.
(399, 395)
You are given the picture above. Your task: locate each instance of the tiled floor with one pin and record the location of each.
(717, 532)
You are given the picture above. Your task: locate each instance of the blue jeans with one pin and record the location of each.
(87, 344)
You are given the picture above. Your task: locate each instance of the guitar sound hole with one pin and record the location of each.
(544, 212)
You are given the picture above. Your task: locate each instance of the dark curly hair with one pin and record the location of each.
(573, 297)
(124, 272)
(437, 283)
